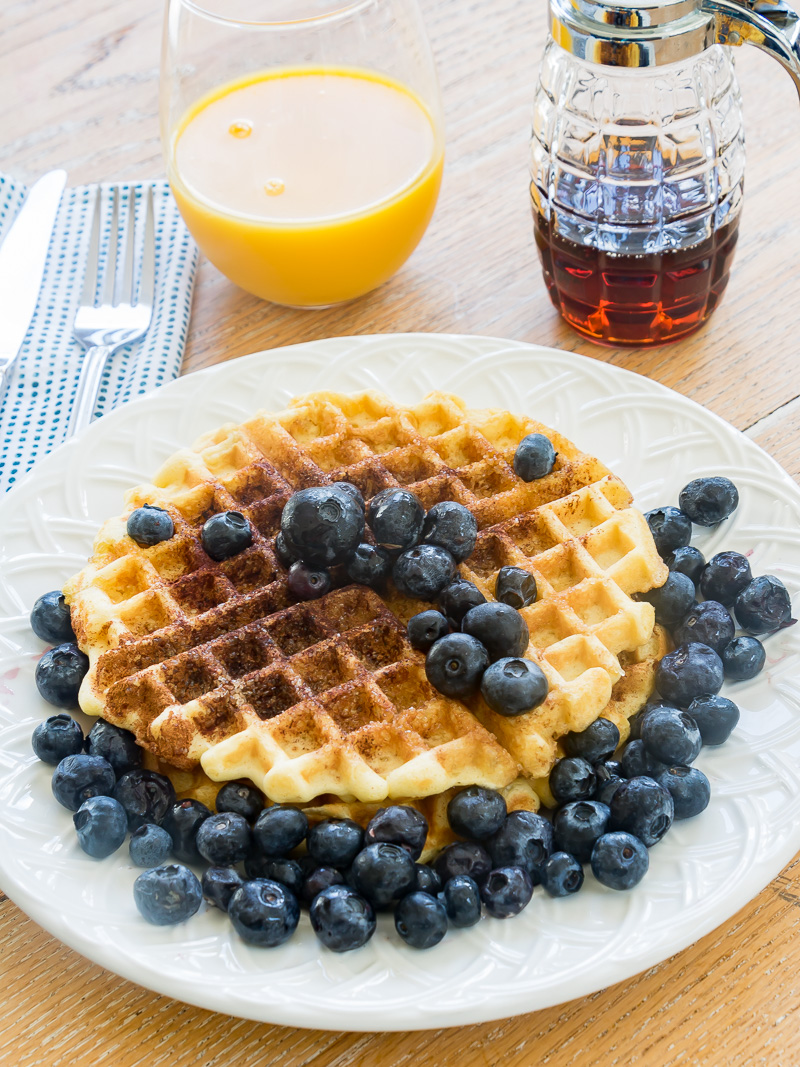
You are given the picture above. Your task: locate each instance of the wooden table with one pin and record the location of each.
(79, 89)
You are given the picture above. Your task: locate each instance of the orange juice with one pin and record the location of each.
(307, 186)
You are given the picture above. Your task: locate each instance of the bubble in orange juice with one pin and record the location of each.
(354, 165)
(240, 129)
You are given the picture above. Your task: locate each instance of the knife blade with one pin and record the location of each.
(23, 255)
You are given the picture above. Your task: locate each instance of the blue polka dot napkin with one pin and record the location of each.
(35, 412)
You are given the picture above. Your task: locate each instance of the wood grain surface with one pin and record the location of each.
(79, 89)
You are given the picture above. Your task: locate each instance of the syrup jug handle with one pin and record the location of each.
(770, 25)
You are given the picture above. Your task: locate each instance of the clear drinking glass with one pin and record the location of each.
(637, 180)
(303, 140)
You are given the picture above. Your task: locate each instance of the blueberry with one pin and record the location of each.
(716, 718)
(318, 879)
(643, 808)
(322, 525)
(150, 845)
(457, 599)
(420, 920)
(278, 830)
(383, 872)
(671, 736)
(535, 457)
(462, 900)
(76, 778)
(240, 798)
(341, 918)
(710, 623)
(725, 576)
(286, 556)
(506, 892)
(638, 762)
(598, 741)
(149, 525)
(576, 827)
(277, 869)
(59, 674)
(57, 737)
(50, 619)
(182, 820)
(401, 825)
(102, 826)
(572, 778)
(369, 565)
(764, 605)
(425, 629)
(562, 875)
(451, 526)
(513, 686)
(167, 895)
(607, 768)
(687, 560)
(264, 913)
(476, 812)
(455, 664)
(743, 658)
(226, 535)
(607, 788)
(501, 629)
(116, 745)
(689, 789)
(635, 720)
(428, 881)
(524, 840)
(463, 857)
(619, 860)
(515, 587)
(672, 599)
(145, 795)
(690, 671)
(707, 501)
(352, 491)
(396, 518)
(219, 884)
(671, 529)
(223, 839)
(424, 571)
(335, 842)
(308, 583)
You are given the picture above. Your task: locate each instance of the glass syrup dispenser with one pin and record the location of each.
(637, 168)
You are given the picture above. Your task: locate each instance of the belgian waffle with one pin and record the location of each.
(212, 663)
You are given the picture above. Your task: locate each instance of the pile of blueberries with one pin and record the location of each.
(470, 643)
(704, 632)
(255, 868)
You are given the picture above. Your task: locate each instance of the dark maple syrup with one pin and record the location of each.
(620, 299)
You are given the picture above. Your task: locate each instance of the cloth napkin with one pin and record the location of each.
(35, 412)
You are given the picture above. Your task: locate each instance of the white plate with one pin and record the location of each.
(700, 875)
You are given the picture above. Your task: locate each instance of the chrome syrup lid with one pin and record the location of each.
(650, 33)
(632, 33)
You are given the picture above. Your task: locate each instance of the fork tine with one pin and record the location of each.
(107, 290)
(123, 289)
(147, 277)
(90, 275)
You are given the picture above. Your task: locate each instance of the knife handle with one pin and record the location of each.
(88, 389)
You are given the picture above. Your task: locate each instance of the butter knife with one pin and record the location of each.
(23, 255)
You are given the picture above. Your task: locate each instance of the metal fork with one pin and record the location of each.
(117, 319)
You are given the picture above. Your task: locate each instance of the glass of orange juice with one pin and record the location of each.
(303, 140)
